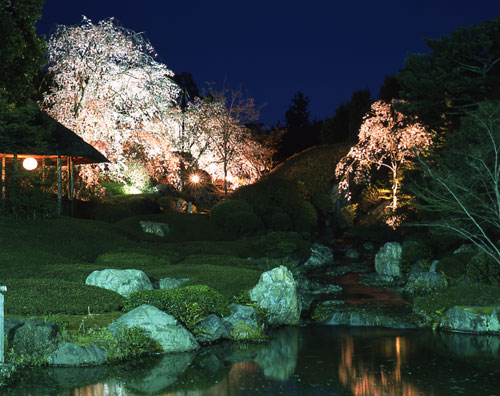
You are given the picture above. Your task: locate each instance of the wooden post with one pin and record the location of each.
(2, 334)
(14, 167)
(59, 186)
(3, 178)
(71, 186)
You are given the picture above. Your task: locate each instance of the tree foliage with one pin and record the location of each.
(21, 50)
(461, 70)
(387, 138)
(461, 191)
(108, 88)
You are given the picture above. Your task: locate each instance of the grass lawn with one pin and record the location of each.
(45, 263)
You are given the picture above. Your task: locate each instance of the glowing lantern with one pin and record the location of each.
(30, 163)
(195, 179)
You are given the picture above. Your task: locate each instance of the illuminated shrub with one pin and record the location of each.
(188, 304)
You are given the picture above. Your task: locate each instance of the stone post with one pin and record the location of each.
(2, 335)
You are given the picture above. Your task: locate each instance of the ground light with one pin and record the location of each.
(195, 179)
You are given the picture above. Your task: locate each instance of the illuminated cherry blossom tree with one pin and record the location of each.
(231, 153)
(107, 87)
(387, 139)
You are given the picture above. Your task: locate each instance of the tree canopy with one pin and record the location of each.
(461, 70)
(22, 52)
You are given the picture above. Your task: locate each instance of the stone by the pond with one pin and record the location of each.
(352, 253)
(387, 260)
(160, 229)
(159, 326)
(277, 293)
(68, 354)
(170, 283)
(243, 323)
(211, 329)
(30, 337)
(472, 320)
(424, 282)
(124, 282)
(321, 255)
(337, 313)
(155, 380)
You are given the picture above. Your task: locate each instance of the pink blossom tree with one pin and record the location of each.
(387, 138)
(108, 88)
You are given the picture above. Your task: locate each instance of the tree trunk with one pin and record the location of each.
(225, 180)
(394, 204)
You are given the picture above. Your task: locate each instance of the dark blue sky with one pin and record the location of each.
(325, 48)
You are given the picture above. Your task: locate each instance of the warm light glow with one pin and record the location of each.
(195, 179)
(128, 189)
(30, 163)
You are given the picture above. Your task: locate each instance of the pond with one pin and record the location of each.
(307, 360)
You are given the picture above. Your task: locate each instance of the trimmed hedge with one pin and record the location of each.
(236, 217)
(45, 296)
(188, 304)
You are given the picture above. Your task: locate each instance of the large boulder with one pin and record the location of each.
(68, 354)
(472, 320)
(321, 256)
(169, 283)
(243, 323)
(159, 326)
(124, 282)
(388, 259)
(276, 292)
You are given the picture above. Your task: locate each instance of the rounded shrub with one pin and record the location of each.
(46, 296)
(280, 221)
(483, 269)
(188, 304)
(412, 253)
(305, 219)
(322, 202)
(454, 266)
(236, 217)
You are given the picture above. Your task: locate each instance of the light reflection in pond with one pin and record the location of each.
(312, 360)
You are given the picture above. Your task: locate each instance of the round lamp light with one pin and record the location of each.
(195, 179)
(30, 163)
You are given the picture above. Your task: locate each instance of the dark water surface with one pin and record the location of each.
(309, 360)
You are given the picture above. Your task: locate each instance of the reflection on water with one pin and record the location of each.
(365, 378)
(312, 360)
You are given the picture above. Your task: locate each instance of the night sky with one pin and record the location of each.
(326, 49)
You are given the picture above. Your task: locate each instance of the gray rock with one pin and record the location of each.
(387, 260)
(153, 381)
(170, 283)
(321, 255)
(159, 326)
(211, 329)
(352, 253)
(243, 323)
(30, 337)
(424, 282)
(68, 354)
(434, 266)
(472, 320)
(160, 229)
(466, 248)
(124, 282)
(277, 293)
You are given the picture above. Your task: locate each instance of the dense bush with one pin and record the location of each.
(236, 217)
(322, 202)
(44, 297)
(188, 304)
(482, 268)
(435, 304)
(412, 253)
(279, 221)
(305, 218)
(454, 266)
(131, 342)
(282, 244)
